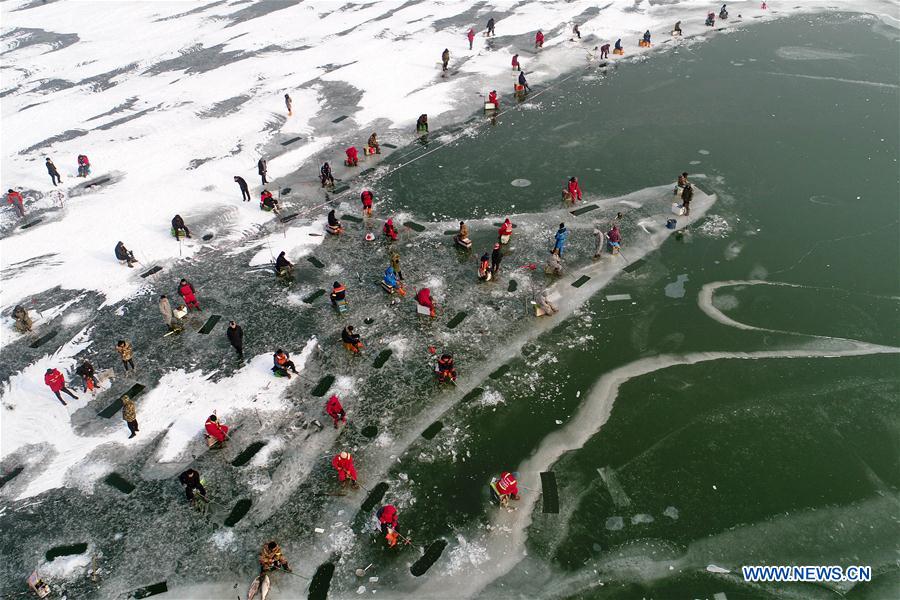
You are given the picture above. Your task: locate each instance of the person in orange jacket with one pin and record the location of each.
(343, 464)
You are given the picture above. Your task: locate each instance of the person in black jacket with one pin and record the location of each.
(263, 168)
(326, 176)
(54, 174)
(236, 338)
(490, 27)
(283, 267)
(190, 479)
(125, 255)
(496, 257)
(87, 373)
(245, 191)
(179, 228)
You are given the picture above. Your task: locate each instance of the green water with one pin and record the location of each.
(774, 461)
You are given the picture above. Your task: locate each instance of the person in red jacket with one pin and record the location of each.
(352, 157)
(15, 198)
(539, 39)
(388, 520)
(492, 98)
(573, 191)
(215, 431)
(505, 231)
(57, 383)
(186, 290)
(423, 298)
(335, 410)
(367, 199)
(515, 63)
(471, 36)
(505, 488)
(389, 230)
(343, 464)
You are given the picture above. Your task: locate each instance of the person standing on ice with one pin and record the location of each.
(187, 291)
(84, 165)
(126, 352)
(560, 238)
(343, 464)
(367, 199)
(88, 377)
(496, 259)
(395, 264)
(490, 27)
(484, 267)
(129, 415)
(599, 241)
(289, 104)
(57, 383)
(165, 309)
(262, 167)
(515, 63)
(576, 31)
(505, 231)
(604, 51)
(18, 203)
(471, 36)
(334, 410)
(539, 39)
(445, 58)
(190, 479)
(687, 194)
(236, 338)
(245, 190)
(54, 174)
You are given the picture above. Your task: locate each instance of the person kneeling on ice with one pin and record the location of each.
(572, 193)
(423, 299)
(351, 340)
(343, 464)
(352, 159)
(374, 146)
(271, 558)
(388, 230)
(445, 369)
(125, 255)
(190, 479)
(492, 98)
(189, 294)
(367, 199)
(335, 410)
(84, 165)
(614, 240)
(462, 238)
(325, 175)
(334, 226)
(710, 19)
(88, 377)
(282, 363)
(505, 488)
(179, 229)
(389, 521)
(484, 268)
(554, 263)
(390, 282)
(542, 301)
(23, 320)
(505, 231)
(216, 432)
(267, 202)
(338, 293)
(283, 267)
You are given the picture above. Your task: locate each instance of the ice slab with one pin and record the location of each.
(431, 555)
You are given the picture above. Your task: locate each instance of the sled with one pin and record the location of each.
(261, 585)
(423, 310)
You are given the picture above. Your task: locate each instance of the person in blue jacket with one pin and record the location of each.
(561, 234)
